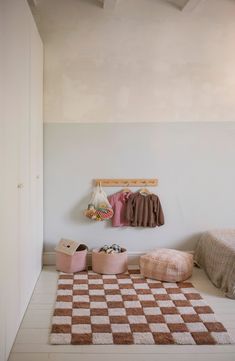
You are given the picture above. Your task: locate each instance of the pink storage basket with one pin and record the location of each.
(112, 264)
(72, 264)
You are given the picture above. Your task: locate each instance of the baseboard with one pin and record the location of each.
(49, 258)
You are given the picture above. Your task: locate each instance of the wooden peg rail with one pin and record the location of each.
(127, 182)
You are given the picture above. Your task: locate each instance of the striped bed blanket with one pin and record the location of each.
(215, 253)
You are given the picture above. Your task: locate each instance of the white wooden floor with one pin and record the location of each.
(31, 343)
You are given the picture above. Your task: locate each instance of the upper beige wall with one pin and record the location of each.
(144, 62)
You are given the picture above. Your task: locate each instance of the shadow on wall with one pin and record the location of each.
(182, 244)
(76, 215)
(173, 3)
(93, 2)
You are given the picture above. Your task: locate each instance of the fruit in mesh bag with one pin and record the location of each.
(103, 205)
(99, 214)
(90, 213)
(105, 213)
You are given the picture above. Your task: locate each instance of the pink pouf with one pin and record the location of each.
(167, 265)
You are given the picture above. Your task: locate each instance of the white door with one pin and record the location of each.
(36, 148)
(21, 160)
(15, 22)
(2, 187)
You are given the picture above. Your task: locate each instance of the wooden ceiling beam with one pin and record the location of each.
(109, 4)
(191, 5)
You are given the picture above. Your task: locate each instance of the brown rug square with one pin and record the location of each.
(130, 309)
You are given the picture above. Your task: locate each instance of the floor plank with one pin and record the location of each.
(118, 357)
(31, 336)
(117, 349)
(37, 319)
(29, 357)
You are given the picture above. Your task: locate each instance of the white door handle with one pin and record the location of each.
(38, 177)
(20, 185)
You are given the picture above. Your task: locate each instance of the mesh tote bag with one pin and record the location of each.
(99, 208)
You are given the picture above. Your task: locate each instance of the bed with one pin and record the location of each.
(215, 253)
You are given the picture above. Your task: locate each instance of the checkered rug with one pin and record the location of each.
(131, 309)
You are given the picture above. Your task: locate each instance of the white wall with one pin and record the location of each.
(21, 77)
(194, 163)
(146, 61)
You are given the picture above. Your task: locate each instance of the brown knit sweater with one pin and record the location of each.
(144, 210)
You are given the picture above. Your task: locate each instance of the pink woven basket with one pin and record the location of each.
(72, 264)
(112, 264)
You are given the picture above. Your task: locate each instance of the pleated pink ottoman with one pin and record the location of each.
(167, 265)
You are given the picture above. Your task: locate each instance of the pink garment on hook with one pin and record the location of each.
(118, 202)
